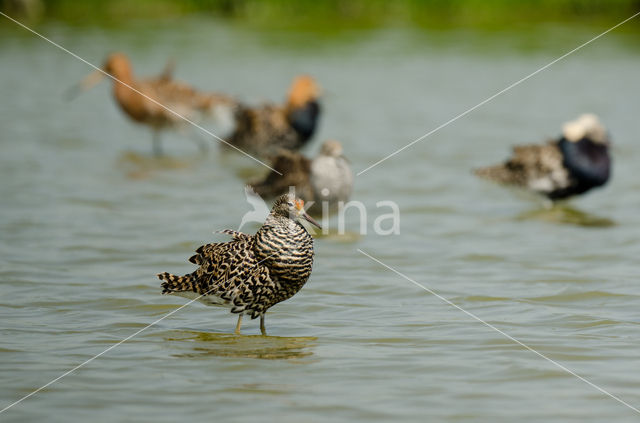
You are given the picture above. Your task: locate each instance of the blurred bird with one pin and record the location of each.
(251, 273)
(157, 101)
(575, 163)
(266, 129)
(291, 169)
(327, 179)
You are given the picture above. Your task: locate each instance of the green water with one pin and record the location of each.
(87, 218)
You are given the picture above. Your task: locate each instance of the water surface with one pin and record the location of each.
(88, 218)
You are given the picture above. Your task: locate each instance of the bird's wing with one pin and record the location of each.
(223, 263)
(165, 97)
(538, 167)
(231, 272)
(181, 98)
(236, 235)
(260, 127)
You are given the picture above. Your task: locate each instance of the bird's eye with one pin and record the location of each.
(290, 204)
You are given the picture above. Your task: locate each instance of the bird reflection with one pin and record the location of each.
(140, 166)
(260, 347)
(564, 213)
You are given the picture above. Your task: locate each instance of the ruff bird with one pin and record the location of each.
(264, 130)
(252, 273)
(571, 165)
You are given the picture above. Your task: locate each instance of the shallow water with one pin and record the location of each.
(88, 218)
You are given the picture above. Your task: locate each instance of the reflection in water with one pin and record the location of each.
(141, 166)
(243, 172)
(256, 346)
(263, 388)
(563, 213)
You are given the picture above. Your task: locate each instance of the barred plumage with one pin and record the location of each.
(251, 273)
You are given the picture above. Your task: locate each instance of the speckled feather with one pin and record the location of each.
(250, 273)
(537, 167)
(265, 130)
(179, 97)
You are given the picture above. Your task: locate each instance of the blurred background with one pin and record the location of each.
(331, 13)
(88, 216)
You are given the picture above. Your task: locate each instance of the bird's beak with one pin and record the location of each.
(310, 219)
(304, 215)
(91, 80)
(87, 83)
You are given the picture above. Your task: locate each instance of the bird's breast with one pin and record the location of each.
(287, 250)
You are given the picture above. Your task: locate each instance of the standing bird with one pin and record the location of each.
(575, 163)
(156, 102)
(264, 130)
(325, 179)
(251, 273)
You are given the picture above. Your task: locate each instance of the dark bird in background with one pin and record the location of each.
(325, 179)
(571, 165)
(251, 273)
(265, 129)
(291, 169)
(144, 103)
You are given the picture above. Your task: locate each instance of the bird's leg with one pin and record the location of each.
(237, 332)
(157, 147)
(263, 330)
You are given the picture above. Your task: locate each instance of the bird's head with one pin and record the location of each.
(586, 126)
(287, 205)
(331, 148)
(117, 64)
(303, 90)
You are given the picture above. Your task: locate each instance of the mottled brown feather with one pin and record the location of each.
(539, 167)
(264, 130)
(291, 169)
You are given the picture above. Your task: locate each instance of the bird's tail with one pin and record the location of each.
(497, 173)
(172, 283)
